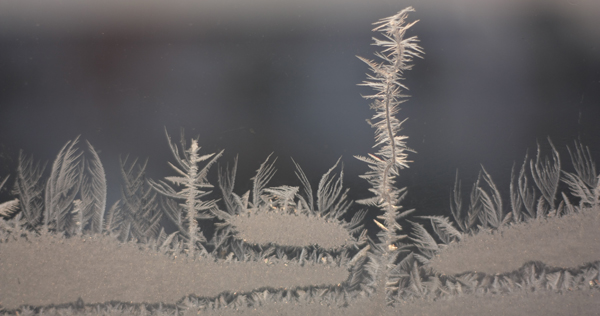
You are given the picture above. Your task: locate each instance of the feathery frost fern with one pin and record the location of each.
(30, 189)
(9, 208)
(538, 198)
(585, 183)
(62, 186)
(75, 193)
(138, 215)
(397, 54)
(195, 188)
(285, 215)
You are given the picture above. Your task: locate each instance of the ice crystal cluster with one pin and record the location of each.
(301, 230)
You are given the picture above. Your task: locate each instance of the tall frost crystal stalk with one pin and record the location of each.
(195, 184)
(397, 54)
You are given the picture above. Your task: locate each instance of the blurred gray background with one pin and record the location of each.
(255, 77)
